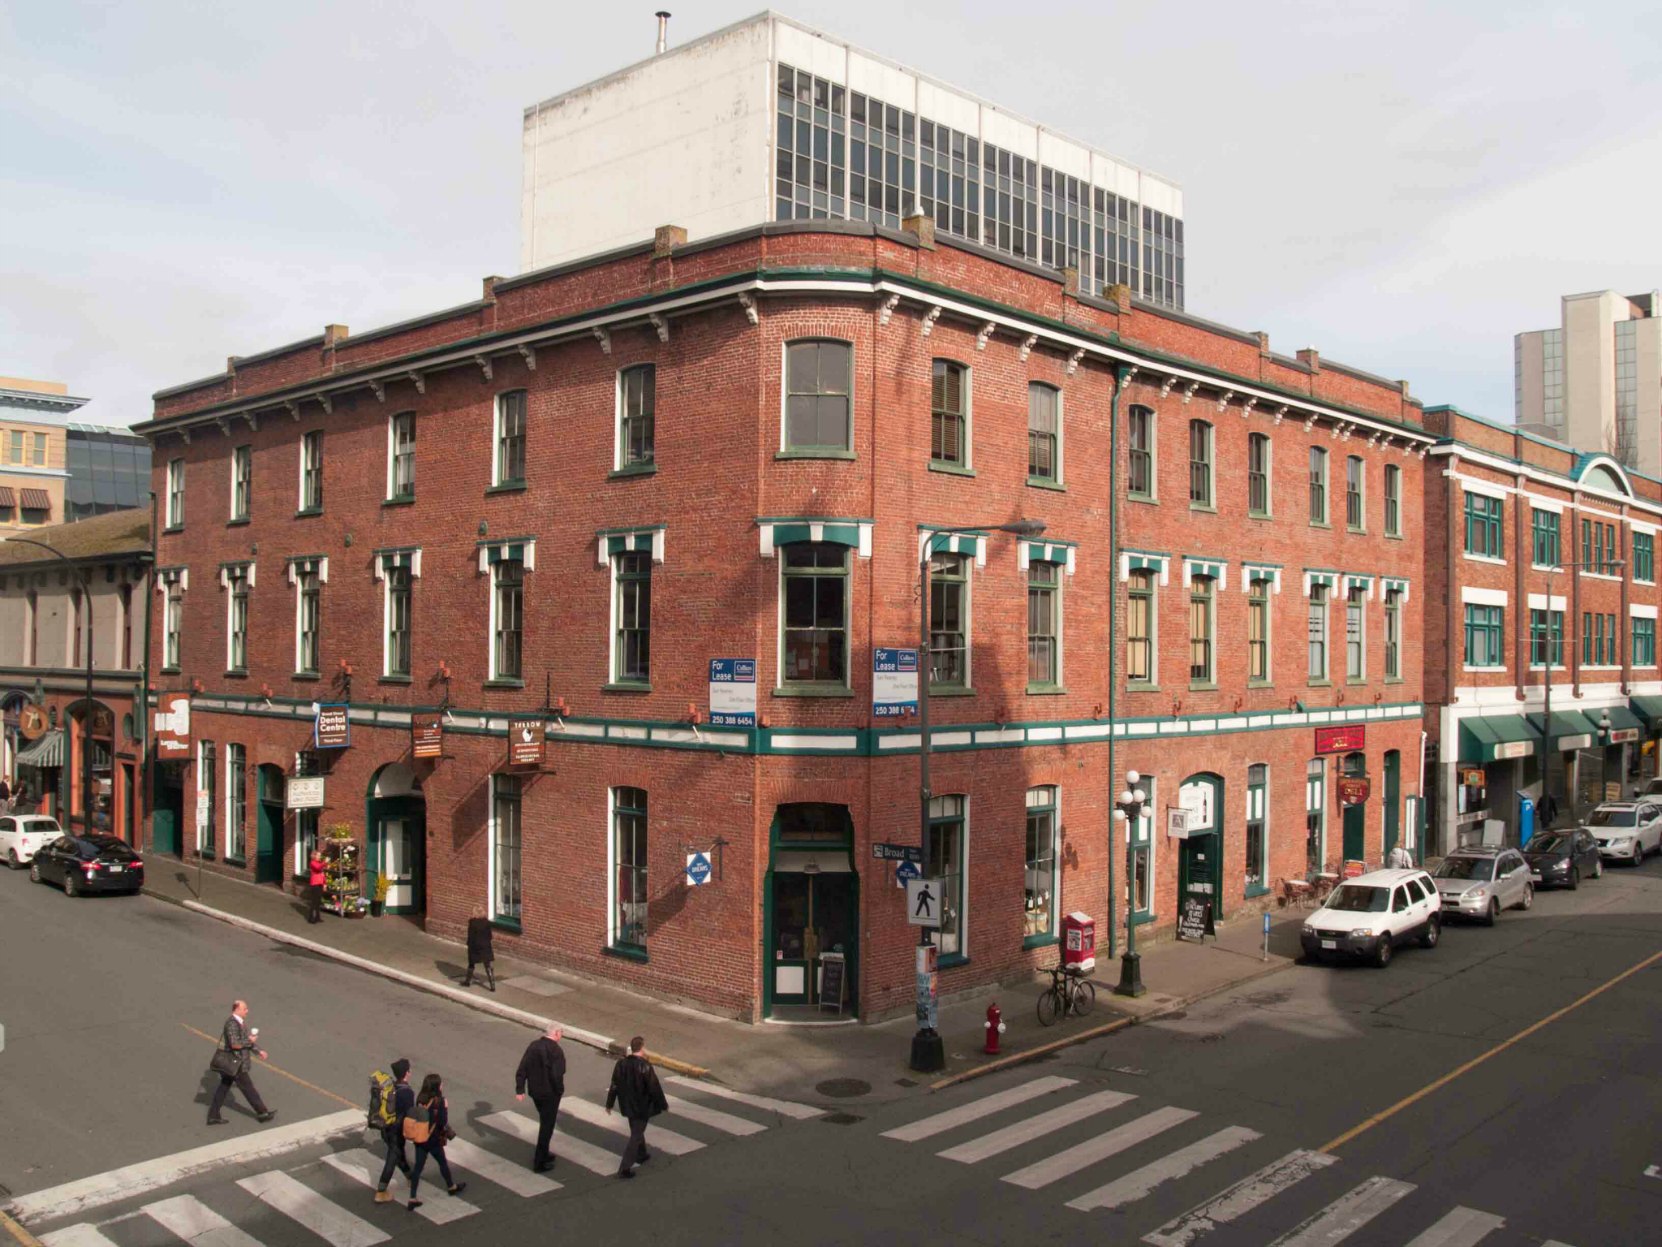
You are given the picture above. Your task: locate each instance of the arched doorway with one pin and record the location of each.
(268, 824)
(395, 815)
(1355, 766)
(811, 904)
(1200, 857)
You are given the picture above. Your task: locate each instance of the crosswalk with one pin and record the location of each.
(329, 1196)
(1105, 1150)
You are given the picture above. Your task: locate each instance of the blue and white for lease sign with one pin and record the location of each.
(894, 682)
(733, 692)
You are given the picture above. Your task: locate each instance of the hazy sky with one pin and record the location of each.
(1402, 185)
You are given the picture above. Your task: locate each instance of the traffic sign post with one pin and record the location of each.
(1266, 955)
(923, 902)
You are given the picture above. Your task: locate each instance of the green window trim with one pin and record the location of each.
(1485, 629)
(1644, 558)
(1485, 536)
(819, 398)
(1644, 642)
(1042, 873)
(627, 932)
(1546, 547)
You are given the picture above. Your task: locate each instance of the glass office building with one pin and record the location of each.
(109, 470)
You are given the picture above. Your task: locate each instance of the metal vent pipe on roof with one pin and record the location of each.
(663, 31)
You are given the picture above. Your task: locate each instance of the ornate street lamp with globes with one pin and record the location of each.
(1127, 810)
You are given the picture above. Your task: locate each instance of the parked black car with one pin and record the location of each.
(82, 864)
(1563, 858)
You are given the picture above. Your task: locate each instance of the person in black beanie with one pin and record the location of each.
(393, 1135)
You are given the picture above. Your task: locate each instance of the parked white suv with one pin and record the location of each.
(1370, 915)
(1627, 830)
(24, 835)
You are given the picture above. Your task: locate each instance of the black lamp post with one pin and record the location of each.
(928, 1049)
(1127, 810)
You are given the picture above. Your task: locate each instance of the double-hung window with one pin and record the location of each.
(814, 589)
(207, 785)
(1483, 526)
(242, 479)
(1393, 500)
(629, 896)
(507, 847)
(1258, 631)
(1044, 433)
(1317, 632)
(1140, 465)
(1598, 639)
(949, 414)
(1044, 624)
(1546, 638)
(1257, 820)
(1258, 474)
(308, 618)
(949, 589)
(175, 493)
(637, 416)
(1355, 513)
(507, 618)
(311, 471)
(943, 859)
(1139, 627)
(1139, 833)
(173, 623)
(236, 631)
(1201, 650)
(397, 643)
(1200, 463)
(1485, 634)
(1644, 557)
(236, 802)
(818, 386)
(1644, 642)
(1393, 634)
(508, 467)
(1041, 880)
(1543, 528)
(1356, 640)
(1318, 485)
(401, 440)
(632, 639)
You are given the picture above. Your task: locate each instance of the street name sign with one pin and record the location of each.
(896, 852)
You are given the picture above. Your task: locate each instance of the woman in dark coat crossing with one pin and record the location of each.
(479, 951)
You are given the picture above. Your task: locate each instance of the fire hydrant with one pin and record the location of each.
(995, 1028)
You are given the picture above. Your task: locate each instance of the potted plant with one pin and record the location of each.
(378, 902)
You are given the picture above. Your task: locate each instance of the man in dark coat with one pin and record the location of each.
(403, 1100)
(542, 1072)
(238, 1040)
(479, 951)
(636, 1091)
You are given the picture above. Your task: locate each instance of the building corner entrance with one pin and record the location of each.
(811, 903)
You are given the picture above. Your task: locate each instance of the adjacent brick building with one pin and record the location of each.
(557, 504)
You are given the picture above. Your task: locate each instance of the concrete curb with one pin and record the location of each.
(507, 1012)
(22, 1235)
(1096, 1032)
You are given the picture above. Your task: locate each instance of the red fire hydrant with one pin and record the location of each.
(995, 1028)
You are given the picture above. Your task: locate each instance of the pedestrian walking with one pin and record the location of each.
(479, 950)
(5, 796)
(1546, 810)
(314, 886)
(542, 1072)
(237, 1048)
(1400, 858)
(391, 1118)
(637, 1093)
(431, 1102)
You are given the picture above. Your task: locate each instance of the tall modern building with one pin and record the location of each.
(1595, 381)
(769, 120)
(109, 470)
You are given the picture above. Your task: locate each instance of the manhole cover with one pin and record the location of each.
(905, 1082)
(843, 1088)
(842, 1119)
(1176, 1015)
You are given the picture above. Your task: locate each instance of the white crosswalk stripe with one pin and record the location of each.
(986, 1106)
(1347, 1214)
(658, 1137)
(1185, 1160)
(1072, 1160)
(565, 1147)
(505, 1173)
(76, 1236)
(986, 1145)
(196, 1223)
(1239, 1199)
(323, 1217)
(1463, 1227)
(364, 1167)
(785, 1108)
(727, 1123)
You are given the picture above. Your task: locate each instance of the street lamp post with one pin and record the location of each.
(1550, 634)
(86, 711)
(928, 1049)
(1127, 810)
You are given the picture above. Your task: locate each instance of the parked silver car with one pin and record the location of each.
(1479, 883)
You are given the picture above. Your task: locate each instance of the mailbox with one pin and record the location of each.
(1079, 942)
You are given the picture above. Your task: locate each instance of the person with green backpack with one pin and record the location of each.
(390, 1102)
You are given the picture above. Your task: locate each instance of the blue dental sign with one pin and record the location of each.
(894, 683)
(732, 692)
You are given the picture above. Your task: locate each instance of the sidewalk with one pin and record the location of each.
(823, 1064)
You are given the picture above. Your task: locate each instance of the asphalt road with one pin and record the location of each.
(1545, 1140)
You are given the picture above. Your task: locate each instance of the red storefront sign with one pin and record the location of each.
(526, 739)
(1346, 739)
(427, 735)
(1352, 791)
(172, 724)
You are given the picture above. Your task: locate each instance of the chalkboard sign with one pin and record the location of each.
(1194, 920)
(833, 982)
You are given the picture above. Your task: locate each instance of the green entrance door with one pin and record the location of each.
(1200, 860)
(168, 817)
(268, 828)
(1393, 798)
(1356, 816)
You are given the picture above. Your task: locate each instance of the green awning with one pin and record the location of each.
(1570, 729)
(1649, 706)
(1497, 738)
(1624, 724)
(45, 752)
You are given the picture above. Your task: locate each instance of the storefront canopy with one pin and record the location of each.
(1649, 708)
(45, 752)
(1624, 724)
(1497, 737)
(1570, 730)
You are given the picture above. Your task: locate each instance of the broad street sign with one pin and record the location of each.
(896, 852)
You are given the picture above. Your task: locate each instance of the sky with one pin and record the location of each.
(1401, 185)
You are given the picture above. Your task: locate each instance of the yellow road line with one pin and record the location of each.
(1449, 1077)
(18, 1232)
(277, 1070)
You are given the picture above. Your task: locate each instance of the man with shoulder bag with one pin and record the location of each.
(237, 1048)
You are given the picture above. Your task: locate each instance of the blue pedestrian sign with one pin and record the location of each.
(698, 869)
(905, 872)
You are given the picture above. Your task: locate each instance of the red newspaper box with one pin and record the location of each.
(1079, 942)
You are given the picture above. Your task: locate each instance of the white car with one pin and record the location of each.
(1370, 915)
(24, 835)
(1627, 830)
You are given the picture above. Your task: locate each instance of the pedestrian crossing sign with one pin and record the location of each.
(923, 902)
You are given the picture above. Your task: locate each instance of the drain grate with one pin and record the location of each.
(842, 1119)
(843, 1088)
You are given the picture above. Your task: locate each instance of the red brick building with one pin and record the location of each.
(559, 503)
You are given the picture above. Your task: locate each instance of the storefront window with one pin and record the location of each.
(1139, 883)
(943, 859)
(1315, 807)
(505, 848)
(236, 802)
(1257, 802)
(1041, 877)
(629, 862)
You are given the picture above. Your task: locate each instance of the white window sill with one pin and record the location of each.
(1547, 567)
(1644, 666)
(1501, 669)
(1535, 666)
(1484, 558)
(1602, 576)
(1601, 667)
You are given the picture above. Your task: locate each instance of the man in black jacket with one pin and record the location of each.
(542, 1071)
(635, 1089)
(403, 1100)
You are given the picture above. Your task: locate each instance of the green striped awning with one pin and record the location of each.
(646, 540)
(1194, 566)
(408, 557)
(1649, 708)
(1624, 724)
(514, 549)
(951, 543)
(1497, 737)
(1570, 729)
(1142, 561)
(45, 752)
(1326, 580)
(1395, 585)
(830, 532)
(1354, 579)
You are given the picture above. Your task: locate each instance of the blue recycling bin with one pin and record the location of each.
(1526, 821)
